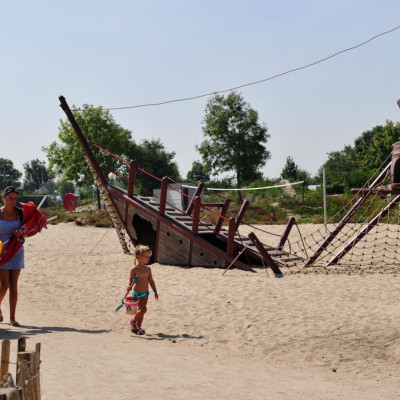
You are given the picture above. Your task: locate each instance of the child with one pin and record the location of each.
(139, 279)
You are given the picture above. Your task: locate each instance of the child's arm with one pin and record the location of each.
(131, 278)
(152, 284)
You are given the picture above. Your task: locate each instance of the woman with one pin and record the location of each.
(10, 221)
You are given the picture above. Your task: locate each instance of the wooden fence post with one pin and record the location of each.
(5, 357)
(27, 374)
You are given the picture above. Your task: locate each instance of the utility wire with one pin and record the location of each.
(255, 82)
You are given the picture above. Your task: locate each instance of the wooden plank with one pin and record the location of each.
(5, 357)
(173, 248)
(264, 254)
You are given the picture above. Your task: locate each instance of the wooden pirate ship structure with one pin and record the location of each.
(182, 237)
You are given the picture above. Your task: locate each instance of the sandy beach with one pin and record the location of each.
(239, 335)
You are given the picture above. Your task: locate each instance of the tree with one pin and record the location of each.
(373, 147)
(354, 165)
(36, 174)
(9, 176)
(234, 139)
(197, 173)
(152, 157)
(98, 126)
(292, 172)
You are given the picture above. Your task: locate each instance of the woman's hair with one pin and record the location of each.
(139, 250)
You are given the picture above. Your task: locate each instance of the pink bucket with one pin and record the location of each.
(130, 305)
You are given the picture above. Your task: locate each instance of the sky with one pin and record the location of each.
(128, 53)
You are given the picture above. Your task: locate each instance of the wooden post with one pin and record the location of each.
(131, 181)
(196, 215)
(22, 377)
(221, 218)
(21, 344)
(5, 357)
(241, 212)
(286, 232)
(197, 193)
(163, 195)
(37, 370)
(231, 237)
(264, 254)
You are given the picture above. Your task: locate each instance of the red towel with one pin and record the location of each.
(33, 222)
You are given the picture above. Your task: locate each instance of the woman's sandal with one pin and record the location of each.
(141, 331)
(14, 323)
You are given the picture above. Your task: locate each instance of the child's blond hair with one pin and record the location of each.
(139, 250)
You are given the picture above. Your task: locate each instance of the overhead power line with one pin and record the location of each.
(255, 82)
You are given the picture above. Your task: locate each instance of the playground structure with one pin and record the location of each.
(181, 237)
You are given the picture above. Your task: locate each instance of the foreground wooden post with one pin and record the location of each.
(5, 357)
(27, 383)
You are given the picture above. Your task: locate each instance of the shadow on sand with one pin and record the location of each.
(26, 330)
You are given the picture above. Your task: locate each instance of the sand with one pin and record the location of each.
(239, 335)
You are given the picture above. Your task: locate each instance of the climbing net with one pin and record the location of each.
(362, 238)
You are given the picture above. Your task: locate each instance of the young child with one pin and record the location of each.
(139, 279)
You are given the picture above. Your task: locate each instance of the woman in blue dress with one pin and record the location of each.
(10, 221)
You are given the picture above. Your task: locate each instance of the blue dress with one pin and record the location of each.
(7, 229)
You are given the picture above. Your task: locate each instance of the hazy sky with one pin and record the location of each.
(125, 53)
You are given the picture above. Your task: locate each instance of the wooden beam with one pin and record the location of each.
(286, 232)
(131, 180)
(163, 195)
(196, 215)
(264, 254)
(222, 214)
(198, 192)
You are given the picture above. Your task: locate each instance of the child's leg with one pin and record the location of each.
(142, 308)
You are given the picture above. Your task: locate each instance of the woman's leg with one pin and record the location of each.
(4, 285)
(14, 275)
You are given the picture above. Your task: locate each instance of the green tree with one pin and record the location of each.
(36, 174)
(66, 187)
(354, 165)
(373, 147)
(292, 172)
(234, 138)
(198, 173)
(68, 159)
(9, 176)
(152, 157)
